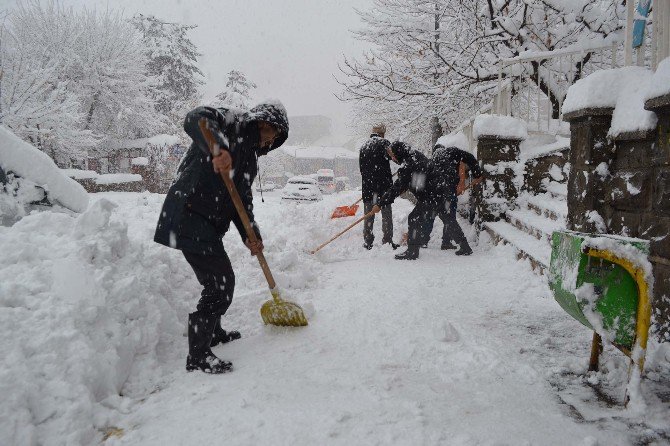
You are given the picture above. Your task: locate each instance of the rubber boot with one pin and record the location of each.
(447, 245)
(464, 251)
(390, 242)
(412, 253)
(200, 356)
(221, 336)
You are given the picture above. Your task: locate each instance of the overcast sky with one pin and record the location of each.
(289, 48)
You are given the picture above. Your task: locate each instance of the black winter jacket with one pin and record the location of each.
(198, 209)
(443, 179)
(375, 168)
(412, 175)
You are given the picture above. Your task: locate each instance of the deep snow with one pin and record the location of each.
(444, 350)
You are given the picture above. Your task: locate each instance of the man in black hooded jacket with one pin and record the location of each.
(376, 178)
(198, 210)
(413, 177)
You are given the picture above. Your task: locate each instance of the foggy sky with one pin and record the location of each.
(289, 48)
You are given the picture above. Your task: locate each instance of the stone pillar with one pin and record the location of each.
(591, 154)
(656, 222)
(499, 158)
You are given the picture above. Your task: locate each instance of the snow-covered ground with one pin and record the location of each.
(443, 350)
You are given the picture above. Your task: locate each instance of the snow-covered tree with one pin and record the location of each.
(172, 62)
(237, 93)
(438, 58)
(71, 78)
(35, 103)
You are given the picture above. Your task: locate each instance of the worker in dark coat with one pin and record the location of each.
(445, 184)
(376, 176)
(198, 210)
(412, 176)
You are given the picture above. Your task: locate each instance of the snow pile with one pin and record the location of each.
(505, 127)
(79, 326)
(601, 89)
(457, 139)
(560, 144)
(660, 84)
(26, 161)
(113, 178)
(629, 113)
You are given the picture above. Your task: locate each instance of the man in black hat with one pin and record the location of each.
(198, 210)
(376, 175)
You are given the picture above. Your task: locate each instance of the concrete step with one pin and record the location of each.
(558, 190)
(538, 226)
(549, 206)
(536, 251)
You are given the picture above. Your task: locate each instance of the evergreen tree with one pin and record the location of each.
(237, 93)
(172, 62)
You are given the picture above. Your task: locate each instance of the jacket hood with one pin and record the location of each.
(401, 151)
(272, 112)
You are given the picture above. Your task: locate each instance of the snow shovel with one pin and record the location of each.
(346, 211)
(275, 311)
(369, 214)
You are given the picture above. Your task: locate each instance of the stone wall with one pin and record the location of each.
(500, 160)
(551, 167)
(655, 224)
(622, 186)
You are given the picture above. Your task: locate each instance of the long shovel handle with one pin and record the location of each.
(369, 214)
(239, 206)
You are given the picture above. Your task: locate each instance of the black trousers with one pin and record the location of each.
(387, 224)
(215, 274)
(452, 231)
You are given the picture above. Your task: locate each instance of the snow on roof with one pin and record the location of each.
(79, 174)
(600, 89)
(319, 152)
(113, 178)
(140, 161)
(546, 149)
(629, 113)
(157, 140)
(501, 126)
(457, 139)
(28, 162)
(660, 84)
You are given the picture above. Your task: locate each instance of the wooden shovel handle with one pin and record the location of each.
(237, 201)
(369, 214)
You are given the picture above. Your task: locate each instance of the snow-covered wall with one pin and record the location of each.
(28, 162)
(504, 127)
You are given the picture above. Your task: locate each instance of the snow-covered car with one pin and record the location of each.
(342, 183)
(301, 189)
(265, 186)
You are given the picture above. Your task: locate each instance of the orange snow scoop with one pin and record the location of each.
(346, 211)
(350, 211)
(275, 311)
(369, 214)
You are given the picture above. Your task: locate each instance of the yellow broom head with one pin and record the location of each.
(282, 313)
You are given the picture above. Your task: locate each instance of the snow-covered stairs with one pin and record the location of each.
(529, 227)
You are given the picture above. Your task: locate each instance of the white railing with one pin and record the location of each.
(656, 45)
(532, 87)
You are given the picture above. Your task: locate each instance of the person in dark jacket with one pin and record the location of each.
(198, 210)
(444, 186)
(376, 176)
(412, 176)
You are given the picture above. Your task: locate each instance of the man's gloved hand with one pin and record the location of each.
(375, 209)
(254, 247)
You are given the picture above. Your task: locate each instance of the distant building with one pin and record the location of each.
(117, 156)
(288, 161)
